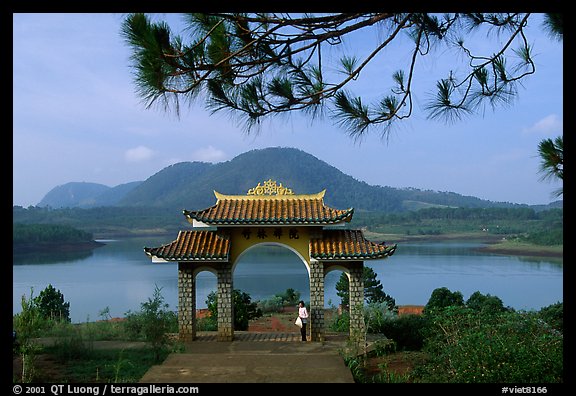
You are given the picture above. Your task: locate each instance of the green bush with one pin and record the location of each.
(553, 315)
(51, 304)
(441, 298)
(375, 314)
(273, 304)
(340, 323)
(207, 324)
(244, 309)
(485, 303)
(407, 331)
(152, 323)
(468, 346)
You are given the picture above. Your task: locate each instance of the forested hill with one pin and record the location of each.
(191, 185)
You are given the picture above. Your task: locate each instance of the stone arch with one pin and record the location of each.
(292, 249)
(268, 214)
(280, 244)
(354, 271)
(203, 268)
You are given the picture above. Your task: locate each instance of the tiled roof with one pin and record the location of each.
(215, 246)
(194, 246)
(347, 245)
(265, 211)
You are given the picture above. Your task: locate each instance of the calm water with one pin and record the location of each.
(119, 276)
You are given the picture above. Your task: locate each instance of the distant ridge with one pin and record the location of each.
(191, 185)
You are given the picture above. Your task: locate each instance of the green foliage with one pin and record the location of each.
(340, 323)
(547, 237)
(110, 365)
(256, 66)
(280, 300)
(244, 309)
(442, 298)
(208, 323)
(541, 227)
(272, 304)
(153, 322)
(485, 303)
(465, 345)
(51, 304)
(373, 290)
(72, 346)
(28, 324)
(553, 315)
(407, 331)
(375, 314)
(47, 233)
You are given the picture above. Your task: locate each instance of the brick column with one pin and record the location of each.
(225, 303)
(186, 302)
(316, 301)
(357, 326)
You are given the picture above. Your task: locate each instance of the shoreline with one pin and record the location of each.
(495, 244)
(54, 247)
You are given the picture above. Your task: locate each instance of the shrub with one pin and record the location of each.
(407, 331)
(485, 303)
(340, 323)
(441, 298)
(553, 315)
(152, 323)
(244, 309)
(375, 314)
(51, 305)
(467, 346)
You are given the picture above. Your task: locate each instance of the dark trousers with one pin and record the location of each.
(303, 331)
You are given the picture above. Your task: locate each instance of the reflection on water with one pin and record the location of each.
(121, 277)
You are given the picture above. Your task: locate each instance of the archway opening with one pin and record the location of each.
(275, 278)
(336, 316)
(206, 286)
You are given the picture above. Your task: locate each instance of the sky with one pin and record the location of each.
(77, 118)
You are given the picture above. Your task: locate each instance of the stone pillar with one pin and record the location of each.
(186, 302)
(225, 303)
(356, 292)
(316, 301)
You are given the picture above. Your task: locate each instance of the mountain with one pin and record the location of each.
(86, 195)
(191, 185)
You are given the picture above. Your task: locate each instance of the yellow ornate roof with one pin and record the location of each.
(331, 245)
(270, 204)
(270, 190)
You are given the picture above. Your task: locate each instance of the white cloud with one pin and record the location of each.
(208, 154)
(547, 126)
(138, 154)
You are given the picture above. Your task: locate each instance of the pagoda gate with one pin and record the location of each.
(268, 214)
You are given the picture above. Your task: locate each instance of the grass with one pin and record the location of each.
(524, 248)
(108, 365)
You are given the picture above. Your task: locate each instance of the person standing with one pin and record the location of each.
(303, 314)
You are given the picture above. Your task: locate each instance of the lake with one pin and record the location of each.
(119, 276)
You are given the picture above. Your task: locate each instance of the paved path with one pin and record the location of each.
(254, 358)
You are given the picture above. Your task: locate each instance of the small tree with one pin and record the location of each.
(485, 303)
(155, 322)
(51, 304)
(441, 298)
(27, 325)
(244, 309)
(373, 290)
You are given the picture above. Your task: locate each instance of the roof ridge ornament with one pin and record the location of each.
(270, 188)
